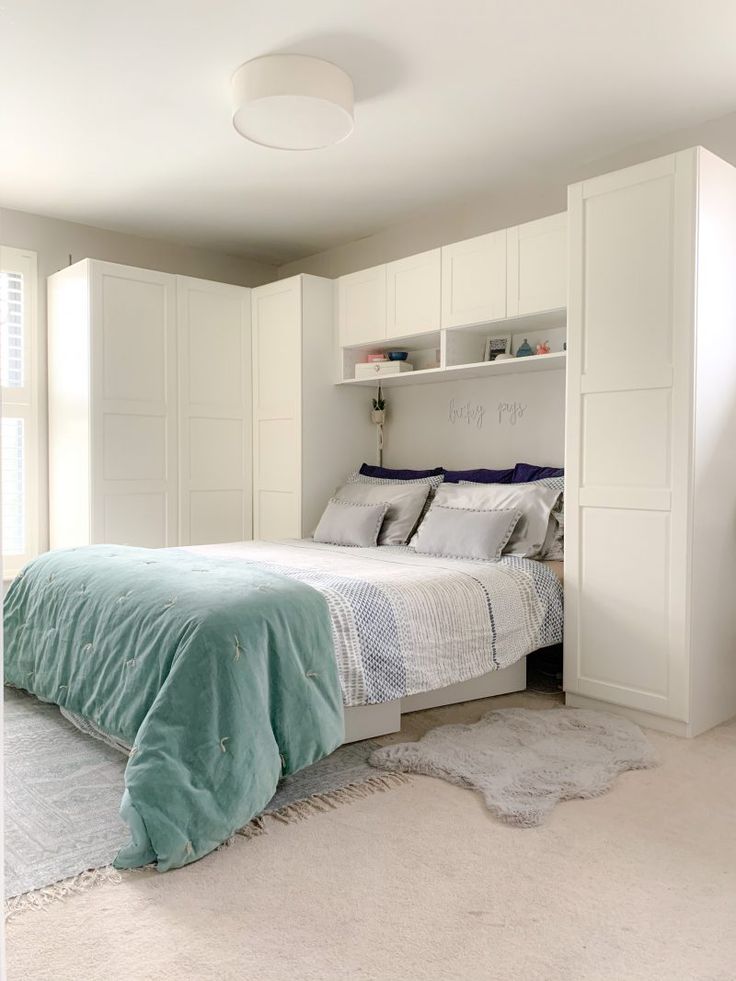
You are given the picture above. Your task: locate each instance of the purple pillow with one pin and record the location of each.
(525, 472)
(370, 471)
(480, 476)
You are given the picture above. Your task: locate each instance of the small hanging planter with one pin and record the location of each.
(378, 413)
(378, 416)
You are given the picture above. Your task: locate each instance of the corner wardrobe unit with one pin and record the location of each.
(650, 557)
(149, 408)
(307, 432)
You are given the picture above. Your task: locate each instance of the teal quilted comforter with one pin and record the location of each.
(221, 677)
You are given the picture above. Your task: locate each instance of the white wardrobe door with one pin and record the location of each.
(215, 425)
(277, 399)
(134, 451)
(474, 280)
(629, 339)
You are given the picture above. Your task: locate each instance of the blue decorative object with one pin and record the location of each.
(524, 350)
(397, 355)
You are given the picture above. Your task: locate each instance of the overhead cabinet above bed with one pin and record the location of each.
(513, 281)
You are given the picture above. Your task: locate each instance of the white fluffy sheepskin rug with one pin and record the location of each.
(524, 761)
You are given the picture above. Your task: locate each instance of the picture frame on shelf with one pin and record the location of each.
(495, 346)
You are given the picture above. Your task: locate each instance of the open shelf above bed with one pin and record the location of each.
(480, 369)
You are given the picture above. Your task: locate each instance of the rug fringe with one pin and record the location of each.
(291, 814)
(40, 898)
(301, 810)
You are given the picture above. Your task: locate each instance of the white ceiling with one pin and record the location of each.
(117, 113)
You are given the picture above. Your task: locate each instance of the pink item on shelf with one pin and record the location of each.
(380, 356)
(543, 348)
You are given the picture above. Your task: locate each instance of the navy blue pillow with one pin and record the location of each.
(480, 476)
(526, 472)
(370, 471)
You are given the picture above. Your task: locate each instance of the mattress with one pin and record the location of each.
(405, 623)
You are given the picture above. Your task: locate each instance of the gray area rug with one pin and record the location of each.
(524, 761)
(63, 792)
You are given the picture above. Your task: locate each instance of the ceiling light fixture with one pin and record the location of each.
(292, 102)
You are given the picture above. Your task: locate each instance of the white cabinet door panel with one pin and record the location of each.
(413, 287)
(474, 280)
(215, 412)
(537, 266)
(361, 306)
(133, 405)
(277, 409)
(629, 401)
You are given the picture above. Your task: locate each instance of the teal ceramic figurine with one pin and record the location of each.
(524, 350)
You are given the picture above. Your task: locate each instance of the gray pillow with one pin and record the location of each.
(405, 503)
(466, 533)
(535, 501)
(350, 523)
(433, 481)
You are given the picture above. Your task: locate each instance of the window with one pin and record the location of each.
(19, 433)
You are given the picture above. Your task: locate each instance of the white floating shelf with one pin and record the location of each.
(481, 369)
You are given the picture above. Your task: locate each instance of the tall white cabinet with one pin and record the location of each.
(650, 557)
(149, 408)
(307, 432)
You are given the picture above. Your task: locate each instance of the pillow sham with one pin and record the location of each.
(480, 476)
(350, 523)
(466, 533)
(368, 470)
(525, 473)
(405, 502)
(534, 500)
(361, 478)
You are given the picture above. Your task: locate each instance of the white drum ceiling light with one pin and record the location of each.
(292, 102)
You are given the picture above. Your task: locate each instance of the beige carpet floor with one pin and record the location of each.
(421, 882)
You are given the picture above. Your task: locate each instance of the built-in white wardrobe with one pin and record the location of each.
(650, 555)
(149, 408)
(307, 432)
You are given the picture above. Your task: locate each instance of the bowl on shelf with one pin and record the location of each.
(397, 355)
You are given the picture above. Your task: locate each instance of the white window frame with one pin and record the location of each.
(23, 402)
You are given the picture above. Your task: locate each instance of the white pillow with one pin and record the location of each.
(466, 533)
(405, 503)
(350, 523)
(534, 500)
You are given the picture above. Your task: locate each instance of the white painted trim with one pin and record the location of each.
(673, 727)
(25, 401)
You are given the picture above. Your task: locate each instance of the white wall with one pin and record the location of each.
(538, 195)
(56, 240)
(478, 422)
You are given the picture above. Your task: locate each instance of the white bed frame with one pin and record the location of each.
(366, 721)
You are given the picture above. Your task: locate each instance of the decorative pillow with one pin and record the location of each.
(554, 545)
(466, 533)
(367, 470)
(405, 502)
(525, 473)
(350, 523)
(480, 476)
(534, 500)
(361, 478)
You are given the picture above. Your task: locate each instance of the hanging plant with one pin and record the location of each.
(378, 415)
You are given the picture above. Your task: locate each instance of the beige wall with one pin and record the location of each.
(54, 241)
(532, 198)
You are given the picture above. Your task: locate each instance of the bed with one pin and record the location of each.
(226, 667)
